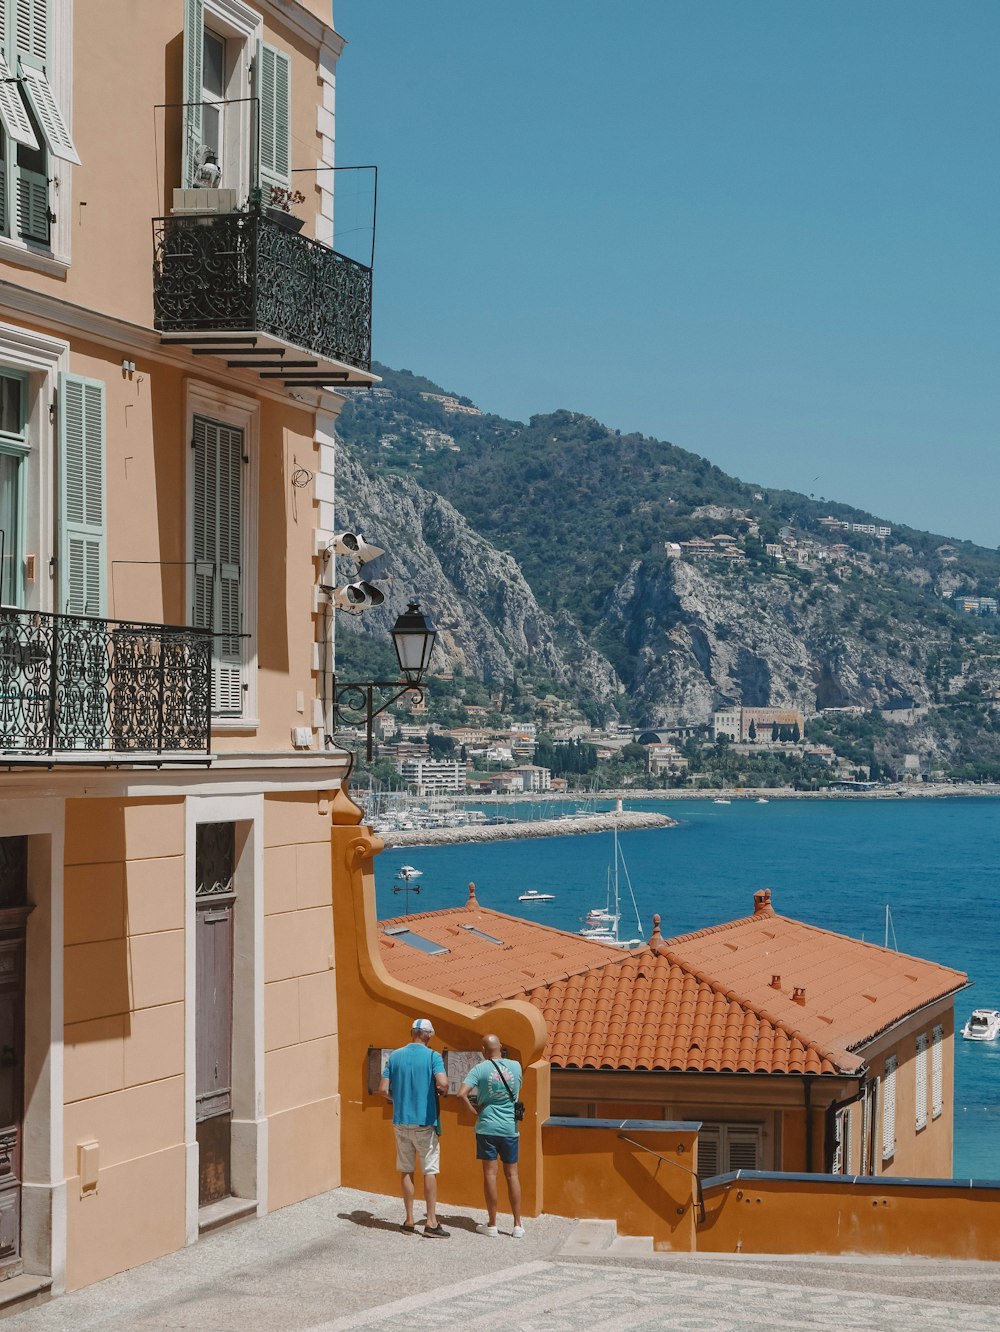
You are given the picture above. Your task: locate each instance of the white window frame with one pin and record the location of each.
(889, 1108)
(56, 259)
(41, 359)
(237, 410)
(920, 1082)
(937, 1071)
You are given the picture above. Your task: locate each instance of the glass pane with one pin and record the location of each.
(210, 122)
(9, 539)
(10, 405)
(213, 65)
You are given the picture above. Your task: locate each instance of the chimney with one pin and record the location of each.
(762, 902)
(799, 995)
(775, 982)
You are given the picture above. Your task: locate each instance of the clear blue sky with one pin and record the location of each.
(764, 230)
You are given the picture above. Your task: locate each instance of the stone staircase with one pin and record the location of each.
(600, 1239)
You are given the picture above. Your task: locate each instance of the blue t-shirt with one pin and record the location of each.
(410, 1071)
(496, 1109)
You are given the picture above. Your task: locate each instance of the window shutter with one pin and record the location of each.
(889, 1109)
(82, 532)
(274, 92)
(709, 1150)
(743, 1146)
(217, 544)
(31, 29)
(50, 118)
(841, 1164)
(920, 1073)
(12, 110)
(32, 206)
(937, 1070)
(194, 36)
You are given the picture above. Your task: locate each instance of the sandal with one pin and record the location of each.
(408, 1229)
(435, 1232)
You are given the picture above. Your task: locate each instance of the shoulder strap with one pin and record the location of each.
(502, 1078)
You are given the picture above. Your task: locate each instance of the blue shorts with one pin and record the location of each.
(491, 1145)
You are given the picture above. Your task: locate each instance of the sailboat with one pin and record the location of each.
(602, 923)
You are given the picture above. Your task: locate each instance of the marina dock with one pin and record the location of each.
(504, 832)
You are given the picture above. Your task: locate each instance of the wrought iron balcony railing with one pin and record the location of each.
(243, 272)
(69, 683)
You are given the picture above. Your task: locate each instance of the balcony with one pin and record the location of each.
(71, 685)
(243, 287)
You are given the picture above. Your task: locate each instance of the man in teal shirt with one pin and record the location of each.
(414, 1079)
(496, 1083)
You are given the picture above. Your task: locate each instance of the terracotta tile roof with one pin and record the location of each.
(839, 991)
(702, 1002)
(645, 1012)
(479, 972)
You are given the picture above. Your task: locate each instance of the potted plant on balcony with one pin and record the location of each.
(279, 207)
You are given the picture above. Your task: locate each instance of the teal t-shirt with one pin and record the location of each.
(410, 1071)
(496, 1109)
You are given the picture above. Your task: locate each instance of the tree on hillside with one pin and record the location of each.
(752, 733)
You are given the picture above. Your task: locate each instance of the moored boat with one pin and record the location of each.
(983, 1025)
(532, 896)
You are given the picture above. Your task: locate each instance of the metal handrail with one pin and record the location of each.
(677, 1165)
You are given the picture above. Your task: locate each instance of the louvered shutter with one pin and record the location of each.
(217, 543)
(32, 206)
(31, 30)
(49, 117)
(274, 92)
(937, 1070)
(743, 1147)
(841, 1164)
(82, 531)
(920, 1075)
(194, 37)
(889, 1109)
(13, 115)
(709, 1150)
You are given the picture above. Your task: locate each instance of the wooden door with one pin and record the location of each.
(13, 918)
(215, 901)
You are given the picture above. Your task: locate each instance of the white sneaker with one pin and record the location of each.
(518, 1232)
(484, 1228)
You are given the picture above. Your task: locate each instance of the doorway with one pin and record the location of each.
(215, 900)
(13, 920)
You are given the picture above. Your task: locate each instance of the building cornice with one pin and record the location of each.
(73, 321)
(304, 23)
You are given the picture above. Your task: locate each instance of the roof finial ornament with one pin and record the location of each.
(472, 895)
(656, 937)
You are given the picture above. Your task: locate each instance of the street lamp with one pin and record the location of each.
(413, 637)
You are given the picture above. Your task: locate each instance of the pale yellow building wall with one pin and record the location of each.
(300, 1002)
(124, 1032)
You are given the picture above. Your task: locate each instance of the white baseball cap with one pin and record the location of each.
(424, 1026)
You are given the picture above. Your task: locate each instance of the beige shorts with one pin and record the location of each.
(415, 1140)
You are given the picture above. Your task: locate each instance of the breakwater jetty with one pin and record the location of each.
(505, 832)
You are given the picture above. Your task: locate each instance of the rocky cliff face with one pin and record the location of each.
(488, 620)
(704, 639)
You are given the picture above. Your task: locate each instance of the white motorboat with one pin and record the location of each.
(532, 896)
(721, 800)
(762, 800)
(983, 1025)
(408, 872)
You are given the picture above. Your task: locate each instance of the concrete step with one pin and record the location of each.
(631, 1246)
(588, 1238)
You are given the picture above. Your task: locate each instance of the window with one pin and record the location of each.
(416, 940)
(723, 1148)
(217, 534)
(221, 72)
(32, 128)
(481, 934)
(841, 1164)
(13, 452)
(82, 556)
(937, 1071)
(920, 1075)
(889, 1109)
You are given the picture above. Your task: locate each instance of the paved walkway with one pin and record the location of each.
(339, 1262)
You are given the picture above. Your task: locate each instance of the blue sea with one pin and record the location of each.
(836, 864)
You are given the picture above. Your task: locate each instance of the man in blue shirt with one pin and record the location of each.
(496, 1083)
(414, 1079)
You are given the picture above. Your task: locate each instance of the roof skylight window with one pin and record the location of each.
(481, 934)
(415, 940)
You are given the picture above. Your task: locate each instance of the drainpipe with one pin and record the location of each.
(807, 1083)
(829, 1119)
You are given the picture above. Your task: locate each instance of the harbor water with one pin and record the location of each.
(835, 864)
